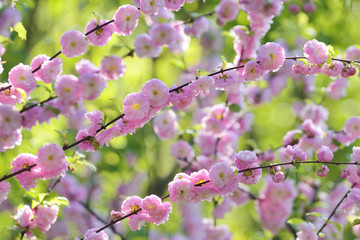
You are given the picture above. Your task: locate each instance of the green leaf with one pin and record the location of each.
(178, 63)
(63, 133)
(96, 145)
(54, 110)
(331, 50)
(356, 222)
(87, 164)
(116, 107)
(337, 225)
(37, 233)
(224, 62)
(296, 164)
(329, 60)
(234, 108)
(321, 235)
(295, 221)
(60, 201)
(303, 60)
(32, 195)
(314, 214)
(97, 16)
(19, 28)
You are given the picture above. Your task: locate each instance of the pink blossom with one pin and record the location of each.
(244, 159)
(300, 68)
(156, 92)
(228, 143)
(94, 117)
(133, 204)
(337, 88)
(307, 232)
(21, 76)
(182, 150)
(73, 44)
(296, 153)
(162, 34)
(316, 52)
(202, 86)
(4, 190)
(227, 80)
(165, 124)
(50, 70)
(85, 145)
(174, 5)
(323, 171)
(355, 196)
(294, 8)
(252, 71)
(309, 7)
(68, 89)
(136, 106)
(126, 19)
(324, 154)
(333, 69)
(353, 53)
(223, 208)
(101, 36)
(92, 85)
(352, 127)
(112, 67)
(24, 216)
(9, 17)
(182, 41)
(250, 177)
(84, 65)
(51, 160)
(10, 119)
(45, 217)
(227, 10)
(182, 98)
(355, 156)
(27, 179)
(145, 46)
(223, 178)
(271, 56)
(151, 6)
(158, 212)
(181, 190)
(201, 25)
(276, 174)
(10, 96)
(91, 234)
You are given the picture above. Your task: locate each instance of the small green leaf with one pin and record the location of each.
(337, 225)
(97, 16)
(87, 164)
(303, 60)
(295, 221)
(96, 145)
(234, 108)
(314, 214)
(60, 201)
(63, 133)
(54, 110)
(224, 62)
(331, 50)
(321, 235)
(356, 222)
(19, 28)
(37, 233)
(329, 60)
(116, 107)
(296, 164)
(32, 195)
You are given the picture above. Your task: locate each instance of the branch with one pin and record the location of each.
(334, 210)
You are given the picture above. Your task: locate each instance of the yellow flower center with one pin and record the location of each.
(112, 68)
(271, 56)
(67, 89)
(181, 192)
(51, 157)
(134, 208)
(21, 78)
(155, 92)
(25, 165)
(128, 18)
(152, 3)
(248, 173)
(200, 182)
(221, 175)
(99, 31)
(136, 106)
(73, 44)
(152, 207)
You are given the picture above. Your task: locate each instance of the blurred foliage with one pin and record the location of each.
(335, 22)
